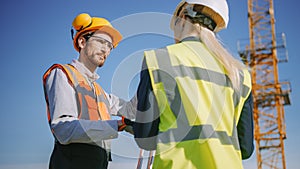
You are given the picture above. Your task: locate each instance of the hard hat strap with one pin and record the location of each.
(198, 17)
(81, 28)
(88, 35)
(85, 36)
(72, 33)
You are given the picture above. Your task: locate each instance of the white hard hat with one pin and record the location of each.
(218, 12)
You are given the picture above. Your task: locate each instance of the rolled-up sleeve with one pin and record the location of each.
(120, 107)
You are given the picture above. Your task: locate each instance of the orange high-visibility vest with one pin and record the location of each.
(92, 104)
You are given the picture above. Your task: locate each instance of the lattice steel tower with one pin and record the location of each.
(265, 51)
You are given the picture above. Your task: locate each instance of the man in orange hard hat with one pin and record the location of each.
(79, 110)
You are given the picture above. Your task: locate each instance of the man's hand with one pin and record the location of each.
(125, 124)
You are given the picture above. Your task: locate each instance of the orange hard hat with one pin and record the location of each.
(83, 24)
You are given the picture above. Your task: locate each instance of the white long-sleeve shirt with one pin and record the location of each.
(66, 127)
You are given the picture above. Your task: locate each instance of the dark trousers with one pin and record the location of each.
(78, 156)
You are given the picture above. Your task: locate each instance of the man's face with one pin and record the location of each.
(97, 48)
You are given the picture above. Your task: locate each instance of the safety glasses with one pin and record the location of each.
(103, 41)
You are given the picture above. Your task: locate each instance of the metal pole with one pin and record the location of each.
(140, 160)
(150, 159)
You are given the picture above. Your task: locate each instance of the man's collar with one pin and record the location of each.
(92, 76)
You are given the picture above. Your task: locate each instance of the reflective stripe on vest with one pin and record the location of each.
(92, 105)
(199, 110)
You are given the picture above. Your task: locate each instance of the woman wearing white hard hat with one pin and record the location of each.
(194, 98)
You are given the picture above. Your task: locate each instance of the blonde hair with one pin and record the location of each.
(231, 65)
(215, 46)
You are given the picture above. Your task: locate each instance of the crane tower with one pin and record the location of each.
(262, 52)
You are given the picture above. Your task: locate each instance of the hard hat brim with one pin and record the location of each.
(112, 32)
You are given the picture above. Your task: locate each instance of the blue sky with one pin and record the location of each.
(36, 34)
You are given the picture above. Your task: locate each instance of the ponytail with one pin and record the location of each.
(231, 65)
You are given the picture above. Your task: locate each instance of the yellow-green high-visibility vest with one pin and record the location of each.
(199, 109)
